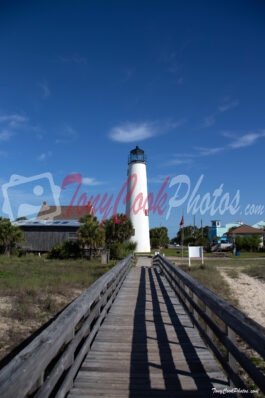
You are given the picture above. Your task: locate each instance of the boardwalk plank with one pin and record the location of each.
(147, 347)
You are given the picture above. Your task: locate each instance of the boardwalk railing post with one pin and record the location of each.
(231, 360)
(208, 329)
(220, 324)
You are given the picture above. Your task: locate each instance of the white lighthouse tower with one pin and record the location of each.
(137, 203)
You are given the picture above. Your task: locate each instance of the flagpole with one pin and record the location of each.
(182, 233)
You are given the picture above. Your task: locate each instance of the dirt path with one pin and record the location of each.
(250, 293)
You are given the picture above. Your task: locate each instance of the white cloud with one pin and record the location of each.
(188, 158)
(90, 181)
(246, 140)
(10, 123)
(13, 119)
(5, 135)
(160, 179)
(171, 125)
(208, 151)
(173, 62)
(209, 121)
(41, 157)
(237, 142)
(68, 135)
(177, 161)
(44, 156)
(14, 123)
(45, 90)
(135, 132)
(131, 132)
(227, 106)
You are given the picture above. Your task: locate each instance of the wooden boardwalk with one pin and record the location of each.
(147, 347)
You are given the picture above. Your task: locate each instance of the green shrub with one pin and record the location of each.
(119, 251)
(249, 243)
(55, 252)
(67, 249)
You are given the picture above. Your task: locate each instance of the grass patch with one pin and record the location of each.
(34, 274)
(232, 273)
(36, 289)
(177, 252)
(256, 271)
(210, 276)
(172, 252)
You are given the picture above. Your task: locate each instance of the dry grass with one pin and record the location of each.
(210, 276)
(209, 273)
(257, 271)
(33, 290)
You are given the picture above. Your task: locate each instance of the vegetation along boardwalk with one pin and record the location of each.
(147, 346)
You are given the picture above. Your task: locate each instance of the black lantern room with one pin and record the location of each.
(137, 156)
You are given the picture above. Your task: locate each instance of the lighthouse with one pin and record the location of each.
(137, 203)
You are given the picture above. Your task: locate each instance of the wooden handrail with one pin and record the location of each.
(219, 323)
(48, 365)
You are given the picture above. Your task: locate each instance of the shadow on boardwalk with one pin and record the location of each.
(177, 368)
(148, 347)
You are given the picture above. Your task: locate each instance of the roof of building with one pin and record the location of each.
(246, 230)
(62, 212)
(38, 223)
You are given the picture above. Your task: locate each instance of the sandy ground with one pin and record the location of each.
(250, 293)
(13, 332)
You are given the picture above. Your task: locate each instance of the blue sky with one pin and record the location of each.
(83, 82)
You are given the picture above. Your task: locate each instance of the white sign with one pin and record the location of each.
(195, 251)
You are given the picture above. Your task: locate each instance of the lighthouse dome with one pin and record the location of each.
(136, 155)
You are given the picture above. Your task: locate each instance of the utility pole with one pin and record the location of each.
(182, 233)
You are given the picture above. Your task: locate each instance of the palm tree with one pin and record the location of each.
(90, 234)
(159, 237)
(119, 228)
(9, 235)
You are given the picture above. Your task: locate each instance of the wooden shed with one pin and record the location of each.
(42, 235)
(52, 226)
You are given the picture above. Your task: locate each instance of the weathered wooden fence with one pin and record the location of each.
(224, 328)
(48, 365)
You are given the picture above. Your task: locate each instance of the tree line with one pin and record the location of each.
(114, 234)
